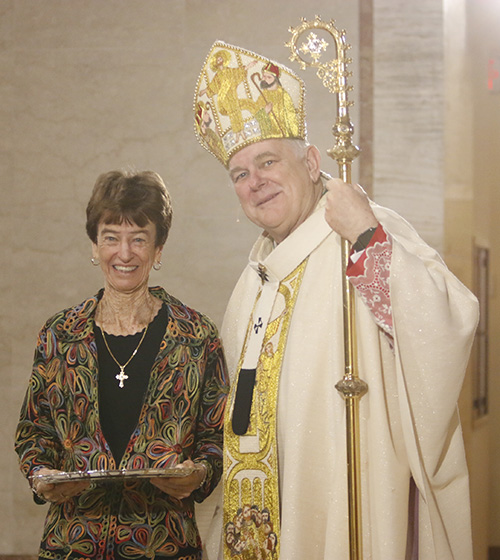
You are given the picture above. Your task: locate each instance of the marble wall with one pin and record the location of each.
(481, 140)
(408, 114)
(89, 86)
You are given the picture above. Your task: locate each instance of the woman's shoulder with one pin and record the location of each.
(73, 321)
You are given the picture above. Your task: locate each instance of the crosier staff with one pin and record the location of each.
(334, 76)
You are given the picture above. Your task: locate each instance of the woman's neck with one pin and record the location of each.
(125, 314)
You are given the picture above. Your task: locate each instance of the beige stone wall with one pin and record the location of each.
(483, 23)
(462, 231)
(408, 116)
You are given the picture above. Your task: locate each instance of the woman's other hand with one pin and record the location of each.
(57, 493)
(183, 486)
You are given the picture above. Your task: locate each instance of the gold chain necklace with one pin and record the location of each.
(122, 376)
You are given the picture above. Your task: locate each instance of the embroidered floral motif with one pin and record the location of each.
(373, 282)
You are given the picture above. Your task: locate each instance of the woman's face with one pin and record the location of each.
(126, 253)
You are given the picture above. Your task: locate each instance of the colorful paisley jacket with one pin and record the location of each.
(181, 418)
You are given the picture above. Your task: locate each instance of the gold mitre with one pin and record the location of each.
(242, 98)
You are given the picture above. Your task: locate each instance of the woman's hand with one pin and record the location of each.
(57, 493)
(183, 486)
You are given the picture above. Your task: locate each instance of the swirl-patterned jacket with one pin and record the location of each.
(181, 418)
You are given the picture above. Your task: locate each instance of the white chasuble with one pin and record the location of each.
(409, 424)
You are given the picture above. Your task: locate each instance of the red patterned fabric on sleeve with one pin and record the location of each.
(369, 273)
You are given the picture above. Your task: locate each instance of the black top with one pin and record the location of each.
(120, 407)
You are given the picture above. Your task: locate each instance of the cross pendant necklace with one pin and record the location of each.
(122, 376)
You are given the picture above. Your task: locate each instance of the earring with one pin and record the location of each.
(157, 265)
(95, 262)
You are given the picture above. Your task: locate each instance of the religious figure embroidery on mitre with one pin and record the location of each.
(277, 114)
(203, 121)
(224, 86)
(243, 98)
(251, 496)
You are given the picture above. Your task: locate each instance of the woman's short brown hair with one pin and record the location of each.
(135, 197)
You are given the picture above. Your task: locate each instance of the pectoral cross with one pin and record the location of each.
(121, 377)
(262, 272)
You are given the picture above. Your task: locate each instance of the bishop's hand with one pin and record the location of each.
(348, 210)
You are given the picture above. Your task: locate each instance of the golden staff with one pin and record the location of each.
(334, 76)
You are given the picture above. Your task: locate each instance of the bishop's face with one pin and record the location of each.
(277, 184)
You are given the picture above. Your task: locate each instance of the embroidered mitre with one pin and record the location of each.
(242, 98)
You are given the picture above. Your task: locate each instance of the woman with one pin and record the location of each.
(128, 379)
